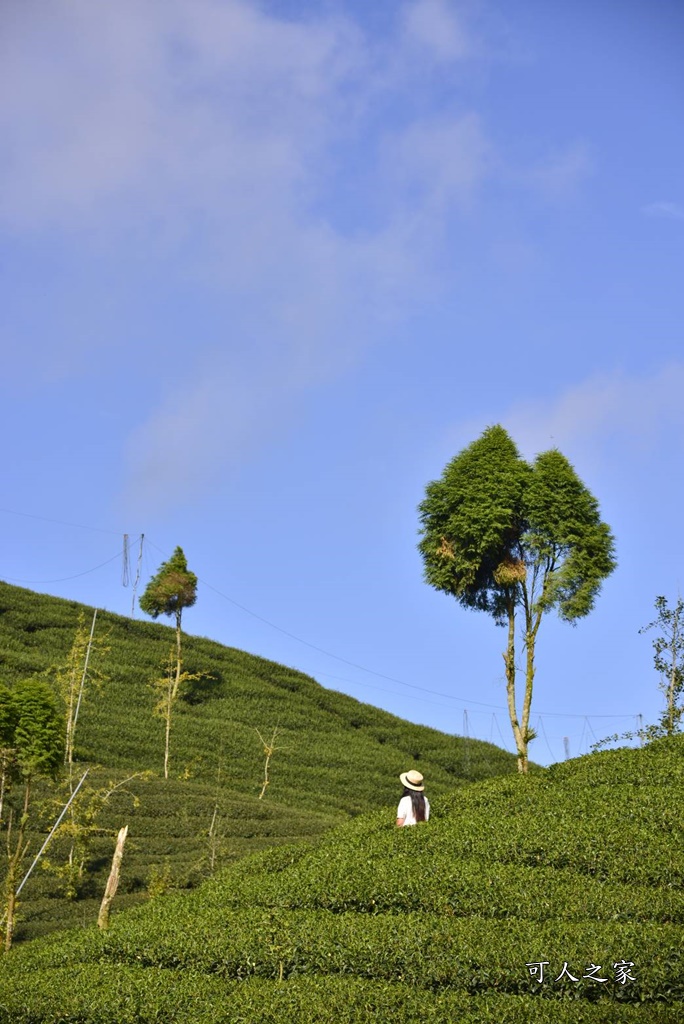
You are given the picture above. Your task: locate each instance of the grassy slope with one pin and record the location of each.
(338, 758)
(582, 863)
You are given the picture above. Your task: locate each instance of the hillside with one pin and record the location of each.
(336, 758)
(580, 867)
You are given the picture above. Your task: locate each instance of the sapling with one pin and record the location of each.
(269, 750)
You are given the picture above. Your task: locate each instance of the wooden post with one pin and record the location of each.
(113, 880)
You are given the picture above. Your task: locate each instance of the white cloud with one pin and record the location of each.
(196, 102)
(439, 28)
(670, 211)
(438, 163)
(212, 137)
(587, 419)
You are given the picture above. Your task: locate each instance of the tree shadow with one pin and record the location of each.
(209, 686)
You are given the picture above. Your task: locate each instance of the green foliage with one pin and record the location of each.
(499, 534)
(173, 588)
(327, 738)
(38, 739)
(8, 717)
(668, 658)
(491, 511)
(582, 863)
(564, 532)
(472, 520)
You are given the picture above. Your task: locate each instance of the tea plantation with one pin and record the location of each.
(207, 814)
(577, 870)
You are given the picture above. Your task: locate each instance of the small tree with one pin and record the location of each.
(168, 687)
(71, 677)
(668, 658)
(37, 745)
(168, 593)
(500, 534)
(82, 827)
(269, 750)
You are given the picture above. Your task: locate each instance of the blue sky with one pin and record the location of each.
(267, 267)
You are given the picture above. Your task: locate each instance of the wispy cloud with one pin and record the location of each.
(216, 139)
(670, 211)
(439, 28)
(559, 175)
(439, 163)
(588, 419)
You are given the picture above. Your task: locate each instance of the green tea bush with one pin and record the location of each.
(130, 995)
(580, 865)
(216, 759)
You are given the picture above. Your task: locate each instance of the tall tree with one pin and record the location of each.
(37, 744)
(502, 535)
(172, 589)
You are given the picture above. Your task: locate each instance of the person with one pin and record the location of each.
(414, 805)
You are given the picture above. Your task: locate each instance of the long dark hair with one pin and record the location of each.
(417, 802)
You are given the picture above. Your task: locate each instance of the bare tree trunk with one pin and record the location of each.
(672, 684)
(82, 686)
(509, 661)
(68, 746)
(10, 911)
(113, 880)
(213, 842)
(179, 659)
(269, 750)
(169, 700)
(531, 629)
(3, 782)
(14, 860)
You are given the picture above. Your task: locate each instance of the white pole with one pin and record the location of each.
(52, 831)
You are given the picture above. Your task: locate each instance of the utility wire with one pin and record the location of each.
(285, 632)
(381, 675)
(60, 522)
(63, 579)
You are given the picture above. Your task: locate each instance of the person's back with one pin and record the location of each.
(414, 806)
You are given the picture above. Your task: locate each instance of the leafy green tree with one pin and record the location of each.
(504, 536)
(36, 741)
(168, 593)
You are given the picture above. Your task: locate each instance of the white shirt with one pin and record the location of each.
(405, 810)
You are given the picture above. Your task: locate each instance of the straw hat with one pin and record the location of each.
(413, 780)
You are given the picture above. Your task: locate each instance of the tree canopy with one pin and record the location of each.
(172, 589)
(499, 533)
(33, 728)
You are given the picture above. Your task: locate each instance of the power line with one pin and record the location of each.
(63, 579)
(540, 721)
(381, 675)
(285, 632)
(59, 522)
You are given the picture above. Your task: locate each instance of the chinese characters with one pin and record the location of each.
(621, 972)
